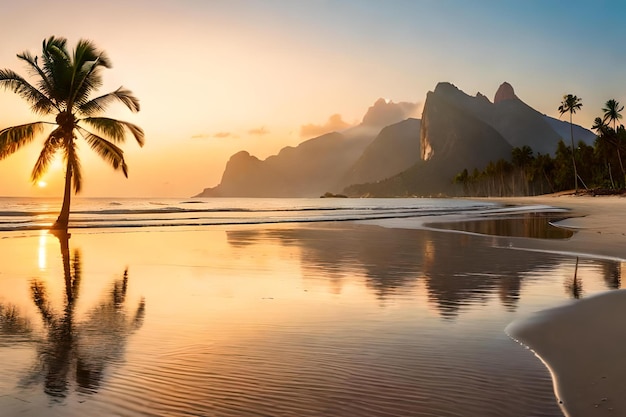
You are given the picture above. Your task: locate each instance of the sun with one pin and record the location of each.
(57, 163)
(42, 184)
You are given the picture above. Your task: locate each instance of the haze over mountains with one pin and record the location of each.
(391, 154)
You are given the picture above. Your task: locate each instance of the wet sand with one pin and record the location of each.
(581, 343)
(333, 319)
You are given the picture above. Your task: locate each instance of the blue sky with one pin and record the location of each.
(220, 76)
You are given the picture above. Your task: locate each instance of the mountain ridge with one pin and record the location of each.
(392, 149)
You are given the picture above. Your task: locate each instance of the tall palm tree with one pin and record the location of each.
(603, 132)
(571, 104)
(63, 87)
(612, 113)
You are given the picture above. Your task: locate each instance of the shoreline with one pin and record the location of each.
(581, 343)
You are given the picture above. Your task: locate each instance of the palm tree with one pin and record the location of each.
(64, 84)
(571, 104)
(603, 132)
(612, 113)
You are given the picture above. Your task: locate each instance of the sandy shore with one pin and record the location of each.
(583, 343)
(600, 223)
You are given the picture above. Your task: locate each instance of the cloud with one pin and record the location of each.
(218, 135)
(201, 136)
(385, 112)
(334, 123)
(258, 131)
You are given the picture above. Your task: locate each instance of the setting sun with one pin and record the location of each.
(42, 184)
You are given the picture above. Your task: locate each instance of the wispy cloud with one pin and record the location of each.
(259, 131)
(334, 123)
(201, 136)
(218, 135)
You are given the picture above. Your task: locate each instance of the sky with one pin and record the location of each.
(215, 77)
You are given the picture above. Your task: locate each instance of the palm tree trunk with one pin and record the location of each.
(621, 165)
(571, 130)
(64, 217)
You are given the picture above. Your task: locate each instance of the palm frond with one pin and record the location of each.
(116, 129)
(40, 103)
(86, 51)
(13, 138)
(44, 84)
(570, 104)
(86, 71)
(57, 66)
(100, 104)
(40, 298)
(50, 148)
(108, 151)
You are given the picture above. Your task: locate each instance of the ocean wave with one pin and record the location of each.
(101, 213)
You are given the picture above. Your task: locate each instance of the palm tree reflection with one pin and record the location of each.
(81, 347)
(574, 286)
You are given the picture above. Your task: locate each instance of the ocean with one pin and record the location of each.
(21, 214)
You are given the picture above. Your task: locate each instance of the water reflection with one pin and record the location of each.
(532, 225)
(76, 349)
(456, 270)
(12, 323)
(612, 274)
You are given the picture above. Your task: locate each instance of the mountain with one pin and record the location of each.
(394, 150)
(313, 167)
(516, 121)
(459, 131)
(563, 129)
(390, 153)
(450, 137)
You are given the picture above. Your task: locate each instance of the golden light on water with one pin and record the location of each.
(41, 255)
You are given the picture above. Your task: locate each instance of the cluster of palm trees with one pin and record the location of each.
(595, 167)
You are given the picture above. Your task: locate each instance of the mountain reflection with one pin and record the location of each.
(76, 349)
(455, 269)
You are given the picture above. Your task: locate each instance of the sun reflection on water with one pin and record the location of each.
(41, 257)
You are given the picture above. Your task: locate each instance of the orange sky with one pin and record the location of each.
(222, 76)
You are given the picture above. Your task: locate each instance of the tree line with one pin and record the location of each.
(598, 168)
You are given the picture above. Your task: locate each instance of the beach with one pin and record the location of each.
(373, 317)
(582, 342)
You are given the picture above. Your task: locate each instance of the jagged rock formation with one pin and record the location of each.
(406, 157)
(459, 131)
(505, 92)
(451, 139)
(394, 150)
(321, 164)
(307, 170)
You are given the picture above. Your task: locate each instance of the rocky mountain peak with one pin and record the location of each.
(385, 112)
(482, 97)
(505, 92)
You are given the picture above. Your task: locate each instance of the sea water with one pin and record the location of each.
(38, 213)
